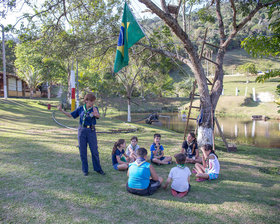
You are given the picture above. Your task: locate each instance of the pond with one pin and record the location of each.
(265, 134)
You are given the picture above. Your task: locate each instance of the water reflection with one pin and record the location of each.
(260, 133)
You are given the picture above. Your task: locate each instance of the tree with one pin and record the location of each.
(130, 75)
(32, 77)
(30, 62)
(10, 56)
(191, 57)
(268, 45)
(97, 77)
(72, 30)
(248, 68)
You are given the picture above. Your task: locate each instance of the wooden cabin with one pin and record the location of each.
(15, 86)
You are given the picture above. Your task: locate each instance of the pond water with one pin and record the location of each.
(265, 134)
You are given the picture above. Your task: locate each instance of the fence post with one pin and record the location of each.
(254, 94)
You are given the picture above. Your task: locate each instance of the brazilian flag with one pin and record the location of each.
(130, 33)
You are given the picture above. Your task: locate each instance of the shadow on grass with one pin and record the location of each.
(248, 102)
(58, 182)
(41, 182)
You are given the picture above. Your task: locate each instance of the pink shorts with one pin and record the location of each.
(178, 194)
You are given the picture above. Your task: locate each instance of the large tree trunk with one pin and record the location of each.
(208, 100)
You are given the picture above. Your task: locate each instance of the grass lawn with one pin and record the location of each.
(231, 105)
(41, 179)
(237, 57)
(233, 82)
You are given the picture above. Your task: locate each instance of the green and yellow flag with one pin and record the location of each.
(130, 33)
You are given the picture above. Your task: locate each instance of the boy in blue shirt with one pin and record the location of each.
(143, 179)
(157, 154)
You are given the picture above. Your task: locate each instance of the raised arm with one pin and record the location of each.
(96, 113)
(63, 111)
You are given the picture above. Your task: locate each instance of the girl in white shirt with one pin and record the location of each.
(210, 168)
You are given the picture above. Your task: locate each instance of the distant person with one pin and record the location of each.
(190, 149)
(119, 158)
(184, 116)
(131, 149)
(86, 132)
(157, 154)
(152, 118)
(142, 177)
(180, 177)
(210, 168)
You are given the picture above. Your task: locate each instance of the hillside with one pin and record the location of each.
(233, 58)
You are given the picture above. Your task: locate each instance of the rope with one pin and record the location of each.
(160, 44)
(141, 119)
(99, 132)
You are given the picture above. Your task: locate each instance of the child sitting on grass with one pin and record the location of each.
(131, 149)
(142, 177)
(190, 149)
(157, 154)
(180, 177)
(119, 158)
(210, 168)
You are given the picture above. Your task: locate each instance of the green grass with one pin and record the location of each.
(230, 105)
(233, 82)
(237, 57)
(41, 179)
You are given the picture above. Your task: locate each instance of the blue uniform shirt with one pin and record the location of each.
(189, 147)
(88, 119)
(139, 175)
(153, 148)
(117, 153)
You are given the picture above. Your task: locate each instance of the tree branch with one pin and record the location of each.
(221, 23)
(164, 6)
(37, 14)
(246, 19)
(234, 13)
(167, 54)
(179, 6)
(193, 62)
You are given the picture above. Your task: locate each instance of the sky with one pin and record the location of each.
(16, 13)
(13, 16)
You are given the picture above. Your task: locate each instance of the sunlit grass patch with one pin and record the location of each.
(41, 179)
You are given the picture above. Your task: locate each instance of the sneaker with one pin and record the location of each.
(86, 174)
(101, 172)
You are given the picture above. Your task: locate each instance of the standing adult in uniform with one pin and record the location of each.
(86, 132)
